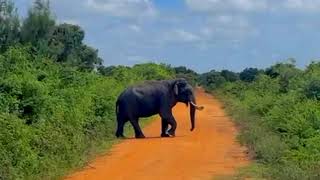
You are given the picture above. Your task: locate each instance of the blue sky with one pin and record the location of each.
(199, 34)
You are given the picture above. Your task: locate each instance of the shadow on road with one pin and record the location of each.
(152, 137)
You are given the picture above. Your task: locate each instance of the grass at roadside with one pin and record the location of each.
(266, 149)
(252, 172)
(277, 110)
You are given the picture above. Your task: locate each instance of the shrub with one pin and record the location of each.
(249, 74)
(312, 90)
(280, 119)
(53, 116)
(212, 80)
(229, 75)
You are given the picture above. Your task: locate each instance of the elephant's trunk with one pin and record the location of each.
(200, 108)
(193, 108)
(192, 116)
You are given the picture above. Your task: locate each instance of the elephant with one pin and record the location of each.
(151, 98)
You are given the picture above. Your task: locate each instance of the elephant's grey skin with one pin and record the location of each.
(154, 97)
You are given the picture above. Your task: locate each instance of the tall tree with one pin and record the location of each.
(188, 74)
(65, 41)
(89, 58)
(38, 25)
(229, 75)
(9, 24)
(249, 74)
(66, 46)
(212, 79)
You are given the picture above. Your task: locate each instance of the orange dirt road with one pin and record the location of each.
(210, 150)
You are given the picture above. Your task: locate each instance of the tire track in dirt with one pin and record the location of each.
(210, 150)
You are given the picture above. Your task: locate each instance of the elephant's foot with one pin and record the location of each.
(171, 132)
(120, 136)
(165, 135)
(140, 136)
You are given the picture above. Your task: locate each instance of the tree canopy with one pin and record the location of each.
(63, 43)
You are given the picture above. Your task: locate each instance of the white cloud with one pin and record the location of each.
(186, 36)
(227, 27)
(123, 8)
(214, 6)
(181, 35)
(134, 28)
(215, 29)
(304, 5)
(222, 5)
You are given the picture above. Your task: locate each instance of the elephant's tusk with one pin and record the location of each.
(200, 108)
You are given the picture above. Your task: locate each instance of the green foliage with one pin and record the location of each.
(64, 40)
(281, 69)
(152, 71)
(38, 24)
(215, 79)
(55, 111)
(130, 75)
(212, 80)
(107, 71)
(280, 118)
(53, 116)
(9, 25)
(312, 90)
(66, 46)
(285, 72)
(229, 75)
(63, 43)
(249, 74)
(188, 74)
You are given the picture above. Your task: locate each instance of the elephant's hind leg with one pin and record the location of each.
(137, 129)
(121, 122)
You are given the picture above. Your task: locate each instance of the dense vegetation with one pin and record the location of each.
(57, 101)
(279, 115)
(56, 110)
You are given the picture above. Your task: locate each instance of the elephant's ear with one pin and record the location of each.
(175, 89)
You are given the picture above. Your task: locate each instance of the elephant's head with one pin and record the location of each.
(184, 93)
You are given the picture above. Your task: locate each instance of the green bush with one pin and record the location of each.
(55, 110)
(229, 76)
(188, 74)
(312, 90)
(249, 74)
(52, 116)
(280, 119)
(212, 80)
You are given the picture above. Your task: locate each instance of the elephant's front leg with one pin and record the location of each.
(167, 118)
(173, 124)
(164, 128)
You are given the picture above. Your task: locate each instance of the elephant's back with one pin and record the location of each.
(141, 101)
